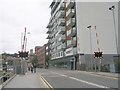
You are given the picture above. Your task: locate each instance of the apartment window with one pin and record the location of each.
(56, 33)
(56, 41)
(61, 53)
(68, 42)
(47, 47)
(46, 53)
(74, 38)
(56, 48)
(68, 32)
(53, 44)
(59, 39)
(59, 47)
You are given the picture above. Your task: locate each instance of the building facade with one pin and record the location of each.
(62, 35)
(72, 43)
(42, 56)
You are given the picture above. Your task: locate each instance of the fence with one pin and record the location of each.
(5, 79)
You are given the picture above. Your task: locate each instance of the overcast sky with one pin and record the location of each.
(15, 15)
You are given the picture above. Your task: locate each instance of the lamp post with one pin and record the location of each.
(112, 8)
(91, 64)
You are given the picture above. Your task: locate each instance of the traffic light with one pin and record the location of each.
(23, 54)
(98, 54)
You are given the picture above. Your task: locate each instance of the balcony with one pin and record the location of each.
(71, 22)
(49, 42)
(63, 46)
(62, 39)
(49, 37)
(49, 25)
(73, 32)
(61, 14)
(70, 13)
(62, 30)
(62, 6)
(55, 6)
(70, 3)
(73, 43)
(48, 32)
(61, 22)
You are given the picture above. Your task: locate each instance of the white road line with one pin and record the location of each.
(90, 83)
(60, 74)
(64, 75)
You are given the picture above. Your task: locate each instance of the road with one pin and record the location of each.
(77, 79)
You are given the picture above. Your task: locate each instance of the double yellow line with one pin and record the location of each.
(46, 82)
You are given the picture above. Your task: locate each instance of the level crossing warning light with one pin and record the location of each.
(98, 54)
(23, 54)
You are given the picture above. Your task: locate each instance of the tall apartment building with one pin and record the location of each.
(62, 35)
(69, 36)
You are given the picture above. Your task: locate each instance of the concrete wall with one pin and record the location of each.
(96, 14)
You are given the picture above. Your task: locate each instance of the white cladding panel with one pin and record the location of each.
(96, 14)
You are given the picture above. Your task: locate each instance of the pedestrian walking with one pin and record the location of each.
(34, 66)
(29, 66)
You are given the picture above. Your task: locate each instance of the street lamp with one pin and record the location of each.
(112, 8)
(91, 65)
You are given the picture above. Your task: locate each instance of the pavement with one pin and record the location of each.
(29, 80)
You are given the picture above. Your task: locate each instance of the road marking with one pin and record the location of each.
(60, 74)
(64, 75)
(90, 83)
(98, 75)
(102, 76)
(43, 81)
(46, 83)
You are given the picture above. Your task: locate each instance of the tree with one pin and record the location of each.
(34, 60)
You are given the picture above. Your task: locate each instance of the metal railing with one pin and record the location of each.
(5, 78)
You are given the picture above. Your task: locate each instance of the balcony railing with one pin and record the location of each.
(61, 22)
(49, 25)
(48, 32)
(62, 30)
(73, 43)
(63, 46)
(62, 39)
(70, 3)
(49, 36)
(71, 22)
(70, 13)
(61, 14)
(73, 32)
(62, 6)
